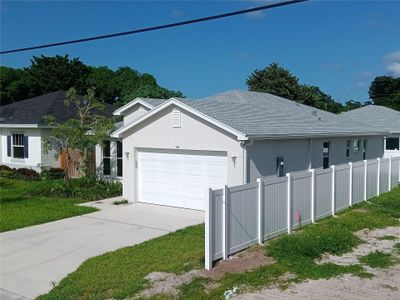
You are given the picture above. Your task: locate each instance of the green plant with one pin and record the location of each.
(52, 173)
(21, 173)
(378, 259)
(119, 202)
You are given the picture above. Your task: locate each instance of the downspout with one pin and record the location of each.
(310, 149)
(244, 145)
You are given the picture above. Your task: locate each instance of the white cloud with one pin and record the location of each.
(392, 63)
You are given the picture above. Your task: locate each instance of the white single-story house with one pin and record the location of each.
(174, 150)
(22, 130)
(384, 118)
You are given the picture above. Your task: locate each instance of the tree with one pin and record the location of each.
(80, 133)
(280, 82)
(352, 104)
(105, 83)
(385, 91)
(275, 80)
(147, 91)
(49, 74)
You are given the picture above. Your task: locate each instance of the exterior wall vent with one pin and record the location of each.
(176, 118)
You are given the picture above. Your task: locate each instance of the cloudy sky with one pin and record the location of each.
(339, 46)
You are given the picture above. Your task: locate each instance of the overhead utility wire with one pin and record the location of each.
(153, 28)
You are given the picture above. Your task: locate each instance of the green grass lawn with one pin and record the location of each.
(120, 274)
(27, 203)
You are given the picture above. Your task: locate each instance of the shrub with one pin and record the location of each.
(5, 168)
(52, 173)
(22, 173)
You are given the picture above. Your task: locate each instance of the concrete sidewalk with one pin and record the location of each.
(33, 258)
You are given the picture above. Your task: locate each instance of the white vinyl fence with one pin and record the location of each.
(240, 216)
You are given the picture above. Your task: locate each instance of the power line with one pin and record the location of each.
(153, 28)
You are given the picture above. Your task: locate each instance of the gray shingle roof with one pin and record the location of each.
(31, 111)
(381, 117)
(154, 101)
(265, 115)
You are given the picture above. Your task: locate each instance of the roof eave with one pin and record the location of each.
(119, 111)
(321, 135)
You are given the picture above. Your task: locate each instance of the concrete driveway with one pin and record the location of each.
(32, 258)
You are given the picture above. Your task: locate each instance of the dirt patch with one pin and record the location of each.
(241, 262)
(167, 283)
(372, 242)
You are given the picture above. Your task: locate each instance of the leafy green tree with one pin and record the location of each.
(147, 91)
(385, 91)
(81, 133)
(105, 83)
(49, 74)
(281, 82)
(352, 104)
(274, 80)
(13, 85)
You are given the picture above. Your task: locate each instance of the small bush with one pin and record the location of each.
(22, 173)
(5, 168)
(120, 202)
(52, 173)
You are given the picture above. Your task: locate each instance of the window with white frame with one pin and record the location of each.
(325, 155)
(119, 158)
(356, 145)
(348, 143)
(18, 145)
(392, 143)
(106, 158)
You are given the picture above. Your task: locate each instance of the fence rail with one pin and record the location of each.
(240, 216)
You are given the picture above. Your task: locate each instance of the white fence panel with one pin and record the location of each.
(301, 199)
(358, 182)
(384, 176)
(242, 216)
(342, 186)
(275, 207)
(395, 171)
(372, 178)
(323, 192)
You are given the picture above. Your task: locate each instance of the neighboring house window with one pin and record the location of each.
(325, 155)
(280, 166)
(106, 158)
(356, 145)
(348, 143)
(392, 144)
(119, 158)
(19, 146)
(365, 144)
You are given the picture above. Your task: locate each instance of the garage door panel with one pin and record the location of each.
(179, 179)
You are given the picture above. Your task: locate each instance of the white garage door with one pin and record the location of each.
(179, 178)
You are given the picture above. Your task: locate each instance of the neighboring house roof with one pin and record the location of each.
(31, 111)
(147, 102)
(381, 117)
(262, 115)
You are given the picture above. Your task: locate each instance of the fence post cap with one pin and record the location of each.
(259, 179)
(378, 158)
(288, 174)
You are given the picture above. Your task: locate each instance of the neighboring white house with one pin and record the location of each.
(384, 118)
(175, 150)
(22, 130)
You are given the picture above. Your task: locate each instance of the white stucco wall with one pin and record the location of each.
(262, 155)
(194, 134)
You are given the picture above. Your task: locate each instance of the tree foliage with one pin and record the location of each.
(88, 128)
(385, 91)
(48, 74)
(281, 82)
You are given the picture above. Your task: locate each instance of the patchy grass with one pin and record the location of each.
(387, 238)
(378, 259)
(120, 274)
(120, 202)
(27, 203)
(397, 248)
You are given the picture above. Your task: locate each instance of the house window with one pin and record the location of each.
(106, 158)
(356, 145)
(365, 143)
(392, 144)
(325, 155)
(348, 143)
(280, 166)
(18, 146)
(119, 158)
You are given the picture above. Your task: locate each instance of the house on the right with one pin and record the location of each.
(383, 118)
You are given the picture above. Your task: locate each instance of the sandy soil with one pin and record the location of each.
(384, 285)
